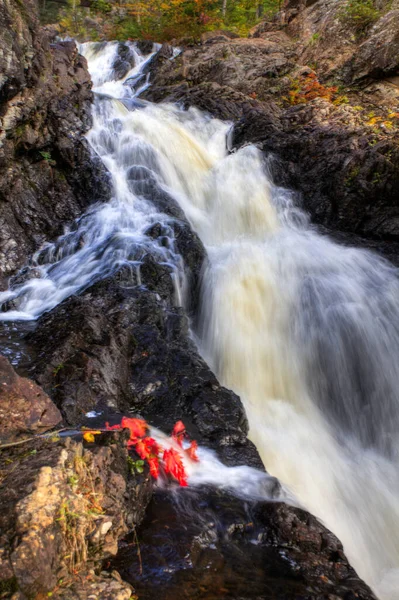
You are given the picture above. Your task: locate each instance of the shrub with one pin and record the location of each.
(359, 14)
(307, 88)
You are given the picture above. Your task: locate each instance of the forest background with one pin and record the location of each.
(157, 20)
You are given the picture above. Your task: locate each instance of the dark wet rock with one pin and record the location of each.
(63, 508)
(239, 550)
(186, 242)
(47, 174)
(123, 62)
(121, 347)
(145, 46)
(24, 407)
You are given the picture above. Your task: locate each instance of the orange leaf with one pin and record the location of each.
(174, 466)
(192, 451)
(89, 436)
(147, 448)
(178, 433)
(154, 466)
(138, 427)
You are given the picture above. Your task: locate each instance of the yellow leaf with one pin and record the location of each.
(89, 435)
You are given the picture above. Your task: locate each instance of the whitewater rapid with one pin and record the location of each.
(304, 330)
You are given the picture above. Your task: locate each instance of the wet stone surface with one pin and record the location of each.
(210, 545)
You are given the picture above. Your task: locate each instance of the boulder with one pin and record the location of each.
(63, 507)
(24, 407)
(378, 56)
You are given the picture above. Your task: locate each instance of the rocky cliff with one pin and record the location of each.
(47, 176)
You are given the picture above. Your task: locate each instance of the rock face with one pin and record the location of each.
(294, 557)
(24, 407)
(341, 152)
(46, 173)
(377, 56)
(62, 507)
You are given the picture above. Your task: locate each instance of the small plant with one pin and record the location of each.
(45, 155)
(135, 466)
(350, 180)
(314, 39)
(341, 100)
(73, 480)
(60, 366)
(102, 6)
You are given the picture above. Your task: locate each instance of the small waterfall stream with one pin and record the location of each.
(304, 330)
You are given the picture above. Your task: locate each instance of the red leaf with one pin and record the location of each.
(178, 433)
(192, 451)
(138, 427)
(147, 448)
(154, 466)
(110, 427)
(141, 449)
(174, 466)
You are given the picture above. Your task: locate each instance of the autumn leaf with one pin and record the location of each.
(178, 433)
(89, 436)
(147, 448)
(174, 466)
(138, 427)
(153, 463)
(192, 451)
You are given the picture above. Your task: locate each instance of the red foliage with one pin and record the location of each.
(192, 451)
(174, 466)
(138, 427)
(148, 449)
(179, 432)
(308, 87)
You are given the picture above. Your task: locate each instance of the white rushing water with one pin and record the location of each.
(304, 330)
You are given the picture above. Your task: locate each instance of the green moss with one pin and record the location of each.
(350, 180)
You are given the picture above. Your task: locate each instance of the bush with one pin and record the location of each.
(359, 14)
(307, 88)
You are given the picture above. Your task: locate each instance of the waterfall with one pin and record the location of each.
(304, 330)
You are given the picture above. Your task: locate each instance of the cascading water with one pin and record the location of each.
(306, 331)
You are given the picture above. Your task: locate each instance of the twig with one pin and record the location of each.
(138, 550)
(50, 434)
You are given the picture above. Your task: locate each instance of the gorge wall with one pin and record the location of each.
(47, 176)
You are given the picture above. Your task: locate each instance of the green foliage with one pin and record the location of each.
(135, 466)
(46, 155)
(102, 6)
(359, 14)
(314, 39)
(60, 366)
